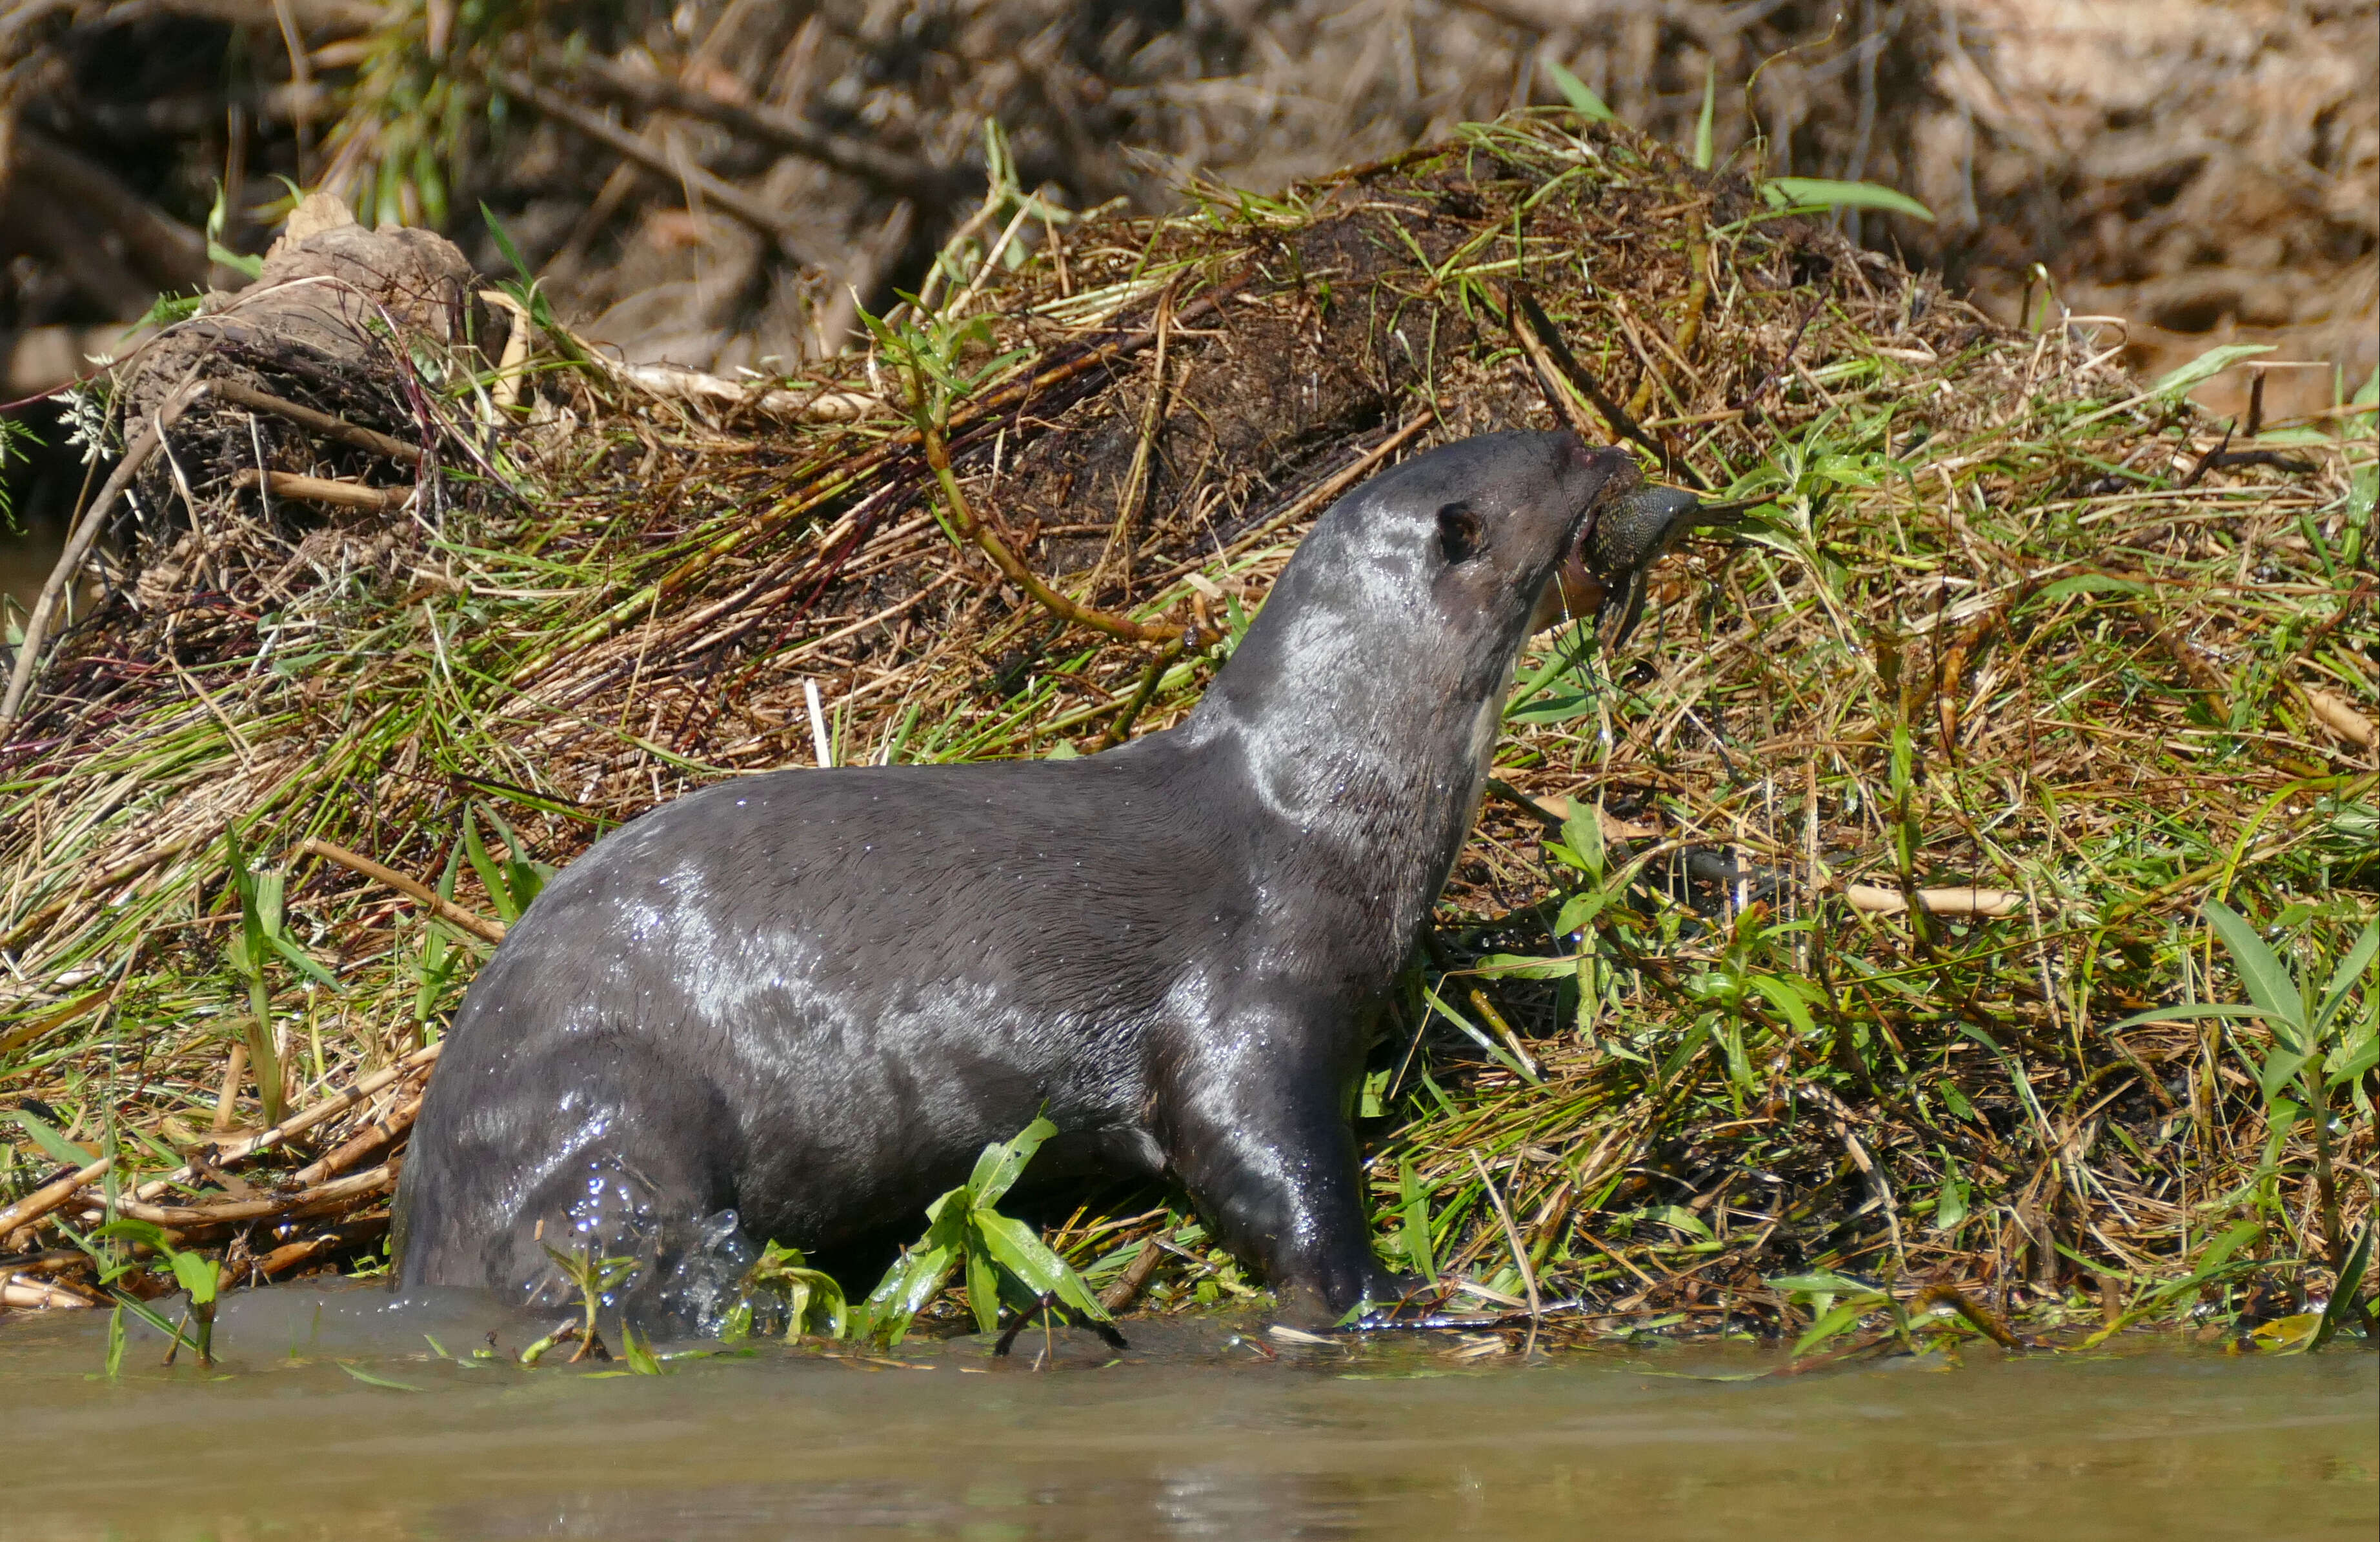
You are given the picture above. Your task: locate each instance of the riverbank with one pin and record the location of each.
(2000, 631)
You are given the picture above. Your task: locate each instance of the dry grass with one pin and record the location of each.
(1999, 617)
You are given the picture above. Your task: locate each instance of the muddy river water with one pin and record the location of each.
(1190, 1434)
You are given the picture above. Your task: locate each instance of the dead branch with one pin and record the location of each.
(931, 185)
(326, 490)
(323, 423)
(445, 909)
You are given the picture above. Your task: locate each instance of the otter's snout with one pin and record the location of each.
(1605, 570)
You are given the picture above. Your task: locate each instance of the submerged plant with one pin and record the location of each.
(594, 1277)
(811, 1300)
(200, 1277)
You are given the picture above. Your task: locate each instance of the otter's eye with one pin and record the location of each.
(1458, 532)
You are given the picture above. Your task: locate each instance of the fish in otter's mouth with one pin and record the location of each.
(1604, 573)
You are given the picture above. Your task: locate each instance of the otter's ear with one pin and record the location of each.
(1458, 532)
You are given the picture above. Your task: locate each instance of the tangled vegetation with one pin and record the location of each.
(1819, 955)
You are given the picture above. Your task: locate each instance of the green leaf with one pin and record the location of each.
(2218, 1253)
(56, 1146)
(1527, 967)
(369, 1379)
(1583, 102)
(2268, 981)
(912, 1280)
(524, 879)
(2089, 583)
(983, 1289)
(1679, 1217)
(1583, 834)
(2353, 1057)
(218, 220)
(199, 1276)
(144, 1232)
(1816, 1282)
(1414, 1200)
(1847, 470)
(999, 1164)
(2205, 367)
(2279, 1067)
(505, 246)
(2343, 1290)
(165, 310)
(1821, 192)
(1790, 997)
(639, 1353)
(1838, 1319)
(1950, 1204)
(1579, 911)
(253, 267)
(490, 876)
(1026, 1255)
(1559, 707)
(298, 958)
(2342, 979)
(2183, 1014)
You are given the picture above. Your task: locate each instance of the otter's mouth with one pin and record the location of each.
(1625, 530)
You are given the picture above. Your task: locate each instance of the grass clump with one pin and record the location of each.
(1825, 932)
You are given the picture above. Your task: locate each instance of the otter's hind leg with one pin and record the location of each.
(570, 1169)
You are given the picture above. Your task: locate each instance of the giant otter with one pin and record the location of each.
(812, 997)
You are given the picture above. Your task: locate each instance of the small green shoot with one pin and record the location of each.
(813, 1300)
(594, 1278)
(200, 1277)
(2319, 1045)
(1583, 101)
(964, 1230)
(1818, 192)
(218, 217)
(260, 937)
(512, 882)
(1702, 120)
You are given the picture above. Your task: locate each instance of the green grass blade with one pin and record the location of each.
(1583, 101)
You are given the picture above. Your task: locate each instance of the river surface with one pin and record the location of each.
(1191, 1433)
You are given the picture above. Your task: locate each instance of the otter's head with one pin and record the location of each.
(1464, 541)
(1424, 581)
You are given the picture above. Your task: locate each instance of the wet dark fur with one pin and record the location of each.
(813, 996)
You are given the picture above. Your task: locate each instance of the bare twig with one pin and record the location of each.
(326, 490)
(330, 1108)
(239, 393)
(50, 1196)
(445, 909)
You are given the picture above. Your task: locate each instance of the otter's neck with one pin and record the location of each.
(1370, 761)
